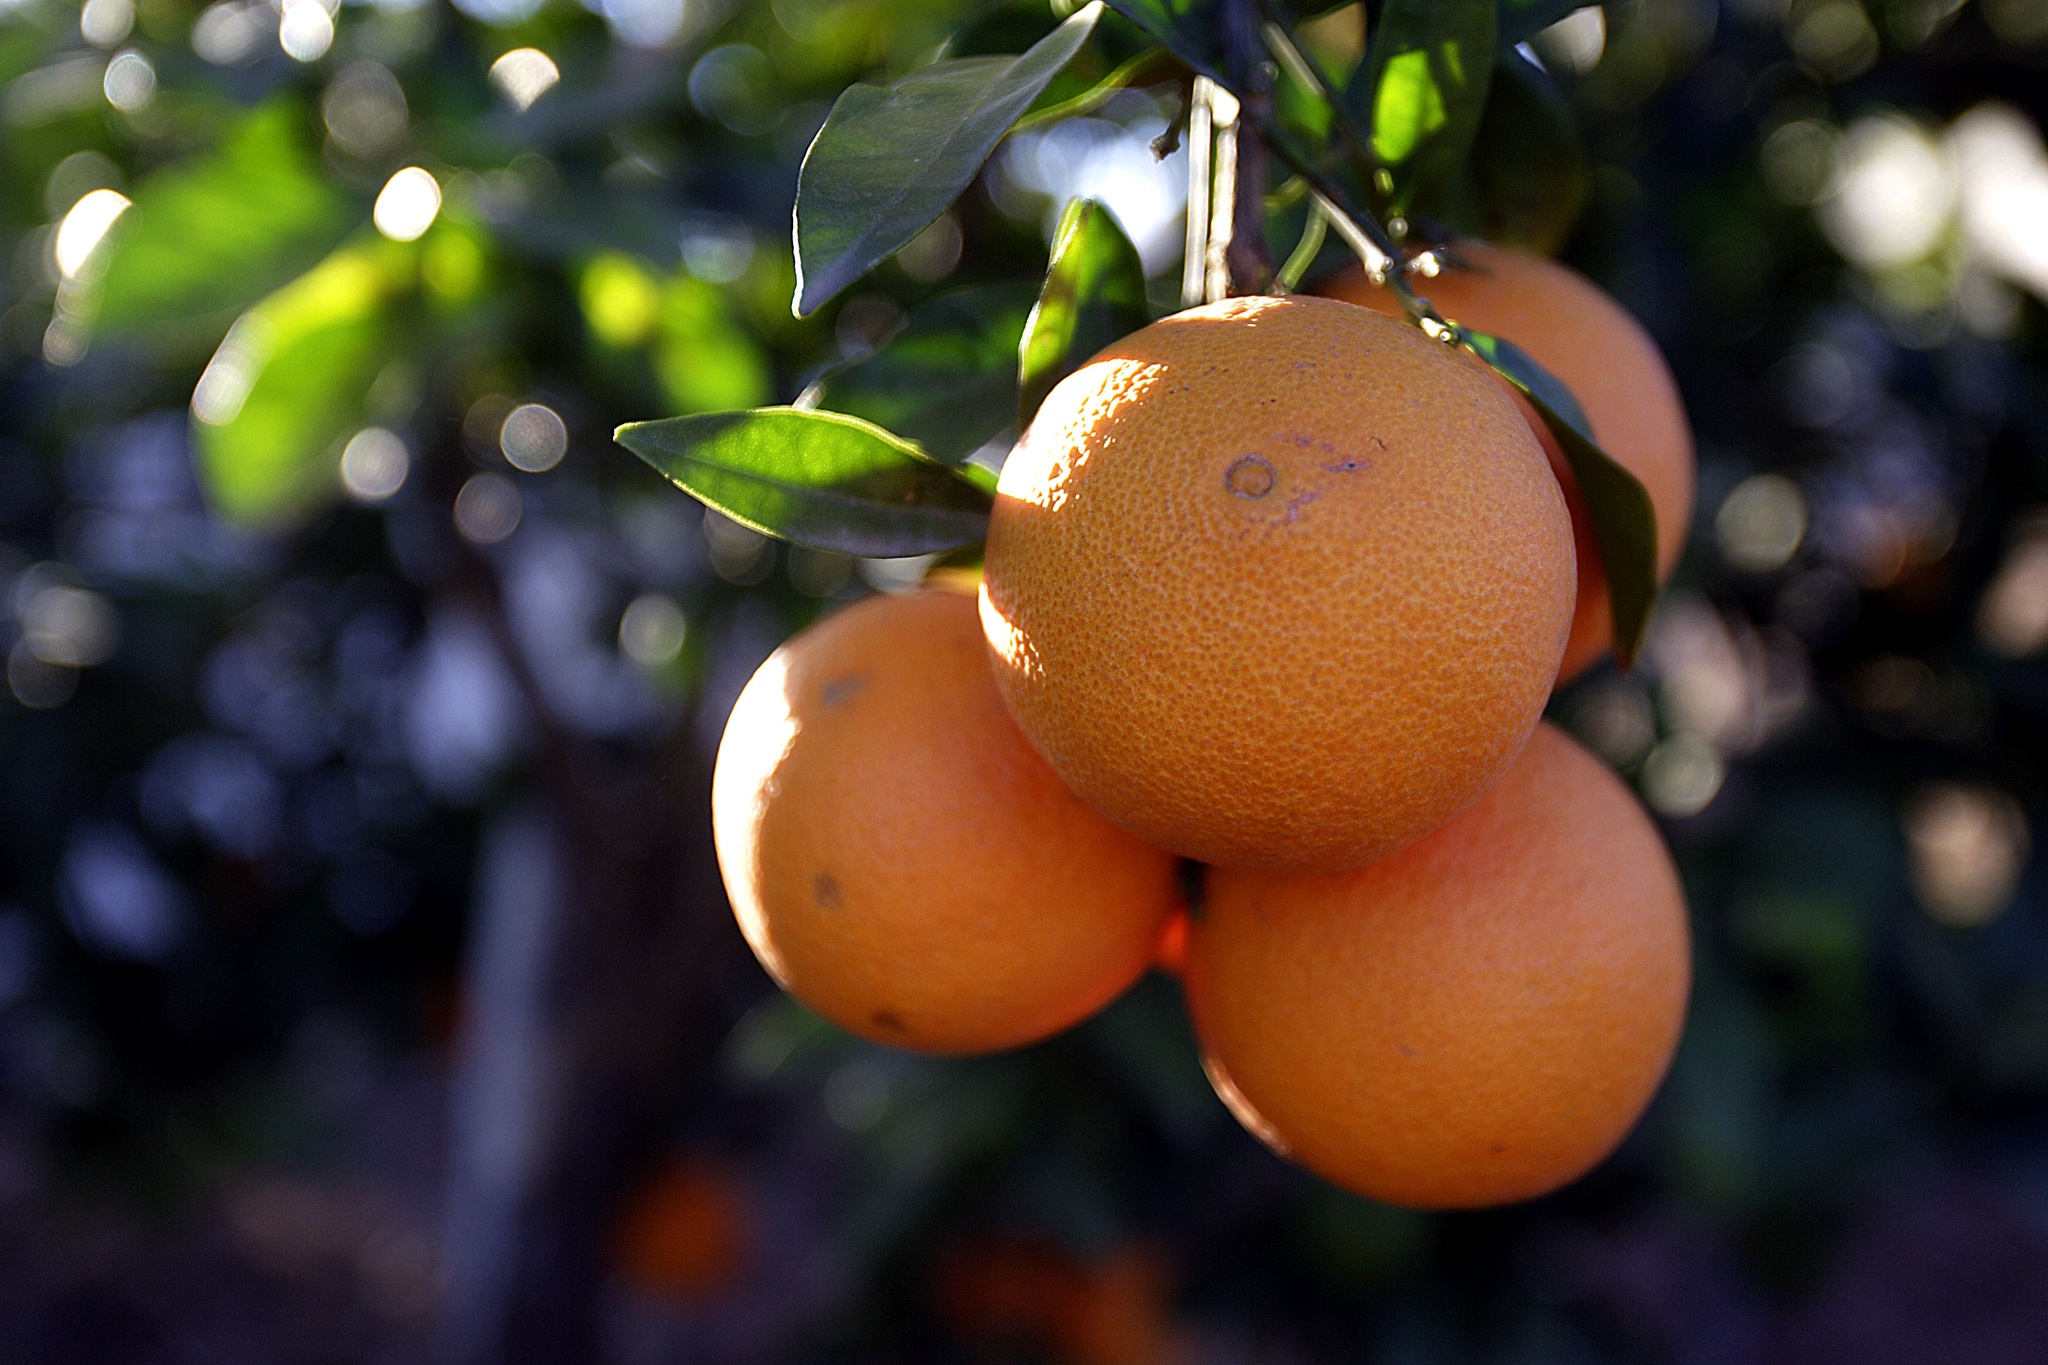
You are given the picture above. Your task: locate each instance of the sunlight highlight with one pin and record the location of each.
(85, 227)
(408, 205)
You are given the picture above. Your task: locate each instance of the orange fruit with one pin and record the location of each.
(1603, 355)
(683, 1232)
(1115, 1311)
(1479, 1018)
(898, 856)
(1278, 582)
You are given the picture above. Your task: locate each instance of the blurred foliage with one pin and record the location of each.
(275, 684)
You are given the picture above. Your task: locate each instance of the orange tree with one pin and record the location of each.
(1305, 684)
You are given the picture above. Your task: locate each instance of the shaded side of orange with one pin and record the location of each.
(1477, 1019)
(1581, 335)
(1278, 582)
(902, 861)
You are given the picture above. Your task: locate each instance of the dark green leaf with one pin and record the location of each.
(290, 384)
(889, 161)
(1186, 28)
(820, 479)
(1424, 88)
(948, 380)
(1094, 293)
(1528, 165)
(1521, 20)
(1152, 66)
(208, 237)
(1624, 521)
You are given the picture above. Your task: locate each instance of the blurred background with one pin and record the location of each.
(367, 992)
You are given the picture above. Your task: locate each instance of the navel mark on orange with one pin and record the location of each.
(1250, 477)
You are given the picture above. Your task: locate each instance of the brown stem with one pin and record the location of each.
(1249, 265)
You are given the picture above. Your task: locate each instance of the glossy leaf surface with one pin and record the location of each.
(820, 479)
(948, 380)
(1527, 162)
(1425, 88)
(1186, 28)
(1094, 293)
(890, 160)
(1624, 520)
(1521, 20)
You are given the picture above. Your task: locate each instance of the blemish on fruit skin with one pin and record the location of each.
(1351, 465)
(1295, 504)
(884, 1019)
(1250, 477)
(840, 691)
(825, 889)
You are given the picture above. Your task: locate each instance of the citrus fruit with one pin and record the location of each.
(1476, 1019)
(898, 856)
(1603, 355)
(1278, 582)
(683, 1232)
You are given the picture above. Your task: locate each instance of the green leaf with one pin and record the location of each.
(1186, 28)
(1624, 520)
(1094, 293)
(821, 479)
(290, 384)
(1425, 88)
(1521, 20)
(889, 161)
(210, 236)
(1527, 163)
(948, 380)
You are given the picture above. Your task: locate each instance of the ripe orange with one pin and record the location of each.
(1115, 1311)
(1277, 582)
(683, 1232)
(900, 859)
(1603, 355)
(1477, 1019)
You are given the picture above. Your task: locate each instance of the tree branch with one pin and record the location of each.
(1248, 264)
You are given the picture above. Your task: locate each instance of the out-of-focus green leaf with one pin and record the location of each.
(1094, 293)
(702, 355)
(1624, 520)
(1424, 88)
(209, 236)
(1521, 20)
(948, 380)
(821, 479)
(290, 383)
(704, 358)
(889, 161)
(1528, 164)
(1186, 28)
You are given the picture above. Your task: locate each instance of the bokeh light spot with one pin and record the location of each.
(533, 438)
(1967, 846)
(488, 508)
(408, 205)
(652, 630)
(374, 464)
(1761, 523)
(523, 75)
(85, 227)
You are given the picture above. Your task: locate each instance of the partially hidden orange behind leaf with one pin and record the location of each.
(1602, 354)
